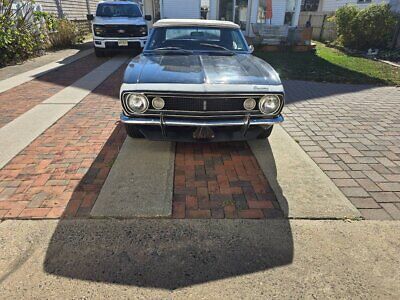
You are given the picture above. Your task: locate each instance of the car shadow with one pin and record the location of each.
(166, 253)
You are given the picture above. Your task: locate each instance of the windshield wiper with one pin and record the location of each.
(219, 47)
(172, 49)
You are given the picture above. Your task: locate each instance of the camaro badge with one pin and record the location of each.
(204, 105)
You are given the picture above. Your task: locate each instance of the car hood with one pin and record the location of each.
(201, 69)
(119, 21)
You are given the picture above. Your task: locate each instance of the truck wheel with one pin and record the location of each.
(133, 132)
(266, 133)
(99, 52)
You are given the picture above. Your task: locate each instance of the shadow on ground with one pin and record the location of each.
(166, 253)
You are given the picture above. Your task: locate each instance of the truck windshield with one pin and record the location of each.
(118, 10)
(206, 39)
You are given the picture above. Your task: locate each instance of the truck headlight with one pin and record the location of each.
(269, 104)
(137, 103)
(98, 30)
(143, 30)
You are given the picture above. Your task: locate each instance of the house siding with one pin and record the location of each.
(180, 9)
(71, 9)
(278, 12)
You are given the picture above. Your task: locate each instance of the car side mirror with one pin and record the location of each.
(251, 48)
(148, 17)
(90, 17)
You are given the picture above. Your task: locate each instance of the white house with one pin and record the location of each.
(242, 12)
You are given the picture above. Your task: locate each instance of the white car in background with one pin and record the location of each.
(118, 25)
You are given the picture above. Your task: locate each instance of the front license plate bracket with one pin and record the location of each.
(203, 133)
(123, 43)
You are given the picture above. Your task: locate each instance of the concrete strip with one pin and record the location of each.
(19, 133)
(301, 187)
(197, 259)
(140, 183)
(19, 79)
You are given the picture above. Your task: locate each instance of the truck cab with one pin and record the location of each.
(118, 25)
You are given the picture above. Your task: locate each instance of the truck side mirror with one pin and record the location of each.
(148, 17)
(90, 17)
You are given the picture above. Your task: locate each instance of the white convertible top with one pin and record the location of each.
(194, 22)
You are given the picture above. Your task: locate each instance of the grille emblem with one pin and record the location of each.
(121, 31)
(204, 105)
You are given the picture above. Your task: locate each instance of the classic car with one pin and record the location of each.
(197, 80)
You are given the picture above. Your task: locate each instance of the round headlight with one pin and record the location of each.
(249, 104)
(158, 103)
(269, 104)
(137, 103)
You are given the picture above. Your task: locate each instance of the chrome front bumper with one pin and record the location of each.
(173, 121)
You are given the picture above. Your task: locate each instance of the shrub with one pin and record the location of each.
(61, 33)
(372, 27)
(25, 33)
(20, 34)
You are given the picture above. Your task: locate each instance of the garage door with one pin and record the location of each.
(181, 9)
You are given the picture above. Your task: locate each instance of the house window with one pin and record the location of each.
(309, 5)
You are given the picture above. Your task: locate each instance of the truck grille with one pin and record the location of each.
(122, 31)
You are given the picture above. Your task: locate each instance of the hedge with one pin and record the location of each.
(361, 29)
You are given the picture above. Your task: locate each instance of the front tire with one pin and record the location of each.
(266, 133)
(133, 131)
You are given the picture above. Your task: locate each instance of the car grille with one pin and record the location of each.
(122, 31)
(204, 103)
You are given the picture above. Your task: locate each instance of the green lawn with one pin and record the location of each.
(330, 65)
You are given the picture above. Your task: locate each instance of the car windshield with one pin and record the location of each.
(118, 10)
(205, 39)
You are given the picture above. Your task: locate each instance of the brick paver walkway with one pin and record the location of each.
(221, 180)
(66, 166)
(353, 133)
(22, 98)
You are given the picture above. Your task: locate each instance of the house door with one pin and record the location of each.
(235, 11)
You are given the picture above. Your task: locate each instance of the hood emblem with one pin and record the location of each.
(260, 87)
(204, 105)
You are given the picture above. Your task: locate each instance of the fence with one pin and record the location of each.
(74, 10)
(323, 30)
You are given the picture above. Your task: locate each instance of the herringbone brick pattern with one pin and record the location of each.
(221, 180)
(22, 98)
(353, 133)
